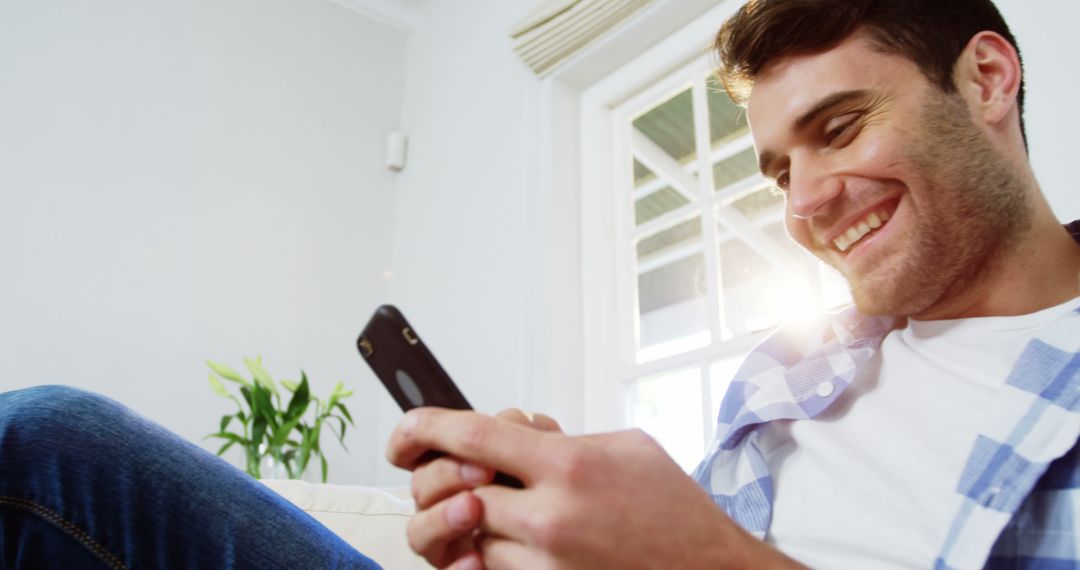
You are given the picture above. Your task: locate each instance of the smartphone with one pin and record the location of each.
(404, 364)
(408, 370)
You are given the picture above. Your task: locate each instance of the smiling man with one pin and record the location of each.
(933, 424)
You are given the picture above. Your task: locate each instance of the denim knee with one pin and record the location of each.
(52, 412)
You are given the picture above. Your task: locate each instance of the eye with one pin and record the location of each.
(783, 179)
(838, 129)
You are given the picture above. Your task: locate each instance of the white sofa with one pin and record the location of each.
(371, 520)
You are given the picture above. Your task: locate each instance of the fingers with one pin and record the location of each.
(545, 423)
(539, 421)
(502, 554)
(471, 437)
(517, 516)
(470, 561)
(444, 533)
(516, 415)
(449, 516)
(445, 477)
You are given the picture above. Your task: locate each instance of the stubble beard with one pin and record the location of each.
(973, 210)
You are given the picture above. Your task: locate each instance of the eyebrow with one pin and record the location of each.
(827, 103)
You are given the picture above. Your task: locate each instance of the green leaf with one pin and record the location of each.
(325, 468)
(256, 401)
(229, 436)
(227, 373)
(252, 455)
(300, 399)
(341, 434)
(289, 385)
(225, 447)
(218, 387)
(302, 459)
(258, 431)
(225, 422)
(341, 392)
(283, 431)
(261, 376)
(245, 391)
(263, 407)
(345, 411)
(309, 443)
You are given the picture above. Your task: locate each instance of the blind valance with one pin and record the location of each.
(557, 29)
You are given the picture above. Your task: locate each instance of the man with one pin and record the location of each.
(934, 425)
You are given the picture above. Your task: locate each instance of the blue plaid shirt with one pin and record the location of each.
(1021, 482)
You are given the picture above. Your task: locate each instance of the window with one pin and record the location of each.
(705, 266)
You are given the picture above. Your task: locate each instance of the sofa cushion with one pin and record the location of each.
(370, 519)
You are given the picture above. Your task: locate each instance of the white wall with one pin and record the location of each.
(1046, 34)
(461, 254)
(182, 181)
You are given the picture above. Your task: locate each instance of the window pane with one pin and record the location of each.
(757, 294)
(668, 407)
(739, 264)
(760, 202)
(642, 175)
(688, 232)
(727, 121)
(653, 197)
(657, 204)
(735, 168)
(780, 235)
(751, 289)
(815, 287)
(672, 308)
(671, 126)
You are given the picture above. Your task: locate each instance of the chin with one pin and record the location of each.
(894, 298)
(872, 305)
(875, 308)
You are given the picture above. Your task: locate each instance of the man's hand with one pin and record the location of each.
(601, 501)
(447, 515)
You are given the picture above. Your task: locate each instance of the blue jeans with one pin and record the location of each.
(87, 483)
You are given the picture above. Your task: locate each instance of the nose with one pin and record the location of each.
(810, 187)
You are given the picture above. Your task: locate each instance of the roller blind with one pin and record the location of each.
(557, 29)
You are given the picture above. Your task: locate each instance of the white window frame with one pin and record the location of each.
(567, 207)
(609, 305)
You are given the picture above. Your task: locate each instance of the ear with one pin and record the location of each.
(988, 75)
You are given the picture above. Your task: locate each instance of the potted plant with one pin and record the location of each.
(279, 436)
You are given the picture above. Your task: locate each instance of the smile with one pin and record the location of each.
(863, 227)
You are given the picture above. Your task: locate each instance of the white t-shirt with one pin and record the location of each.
(870, 483)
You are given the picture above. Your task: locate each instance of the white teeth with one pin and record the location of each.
(856, 232)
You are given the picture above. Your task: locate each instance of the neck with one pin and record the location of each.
(1039, 271)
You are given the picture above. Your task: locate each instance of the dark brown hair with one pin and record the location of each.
(931, 33)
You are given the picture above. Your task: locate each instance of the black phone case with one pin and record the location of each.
(404, 365)
(409, 370)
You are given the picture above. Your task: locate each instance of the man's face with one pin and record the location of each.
(887, 178)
